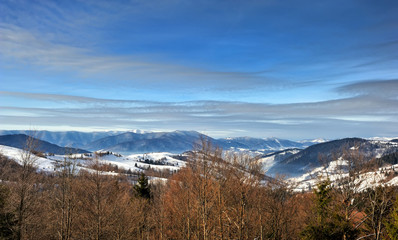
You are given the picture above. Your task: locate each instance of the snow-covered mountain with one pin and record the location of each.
(301, 165)
(275, 160)
(311, 157)
(268, 144)
(383, 138)
(310, 142)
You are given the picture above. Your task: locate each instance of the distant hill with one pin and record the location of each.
(19, 141)
(309, 158)
(175, 142)
(258, 143)
(72, 139)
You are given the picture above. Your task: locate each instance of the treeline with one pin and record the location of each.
(217, 196)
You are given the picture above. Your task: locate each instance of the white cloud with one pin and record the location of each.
(357, 116)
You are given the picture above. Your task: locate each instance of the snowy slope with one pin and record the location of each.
(135, 162)
(138, 162)
(336, 170)
(43, 164)
(309, 158)
(268, 161)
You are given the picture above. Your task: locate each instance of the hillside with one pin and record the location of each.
(20, 140)
(311, 157)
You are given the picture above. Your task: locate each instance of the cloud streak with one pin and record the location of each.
(382, 88)
(24, 47)
(335, 118)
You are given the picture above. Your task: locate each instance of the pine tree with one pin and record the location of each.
(142, 188)
(319, 228)
(392, 224)
(328, 223)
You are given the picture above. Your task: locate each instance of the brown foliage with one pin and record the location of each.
(217, 196)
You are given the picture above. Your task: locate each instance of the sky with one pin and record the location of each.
(227, 68)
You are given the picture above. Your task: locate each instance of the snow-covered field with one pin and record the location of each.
(160, 161)
(135, 162)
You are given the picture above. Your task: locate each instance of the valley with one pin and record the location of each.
(301, 163)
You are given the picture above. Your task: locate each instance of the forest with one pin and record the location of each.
(218, 195)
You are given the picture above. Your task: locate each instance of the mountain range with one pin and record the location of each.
(277, 156)
(141, 142)
(175, 142)
(64, 139)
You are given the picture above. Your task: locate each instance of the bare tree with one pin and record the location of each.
(25, 187)
(379, 201)
(279, 210)
(65, 197)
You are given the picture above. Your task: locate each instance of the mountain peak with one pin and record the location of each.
(139, 131)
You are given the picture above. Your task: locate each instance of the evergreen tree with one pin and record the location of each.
(142, 188)
(319, 228)
(328, 223)
(392, 224)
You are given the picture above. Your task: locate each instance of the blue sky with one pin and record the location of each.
(290, 69)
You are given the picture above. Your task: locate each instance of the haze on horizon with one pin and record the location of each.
(295, 70)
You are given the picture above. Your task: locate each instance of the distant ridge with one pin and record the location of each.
(72, 139)
(176, 142)
(138, 141)
(180, 141)
(258, 143)
(19, 141)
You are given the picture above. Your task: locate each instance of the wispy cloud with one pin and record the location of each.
(335, 118)
(381, 88)
(24, 47)
(63, 98)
